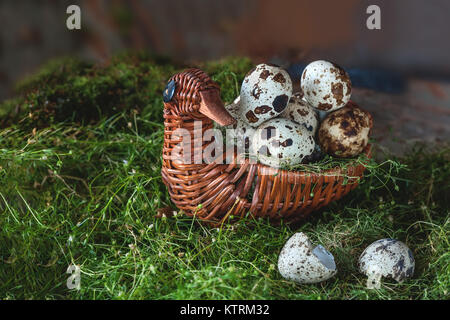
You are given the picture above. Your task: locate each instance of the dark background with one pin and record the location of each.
(402, 70)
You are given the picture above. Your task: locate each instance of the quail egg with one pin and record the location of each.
(241, 134)
(282, 142)
(301, 262)
(316, 156)
(300, 111)
(234, 109)
(265, 93)
(326, 86)
(345, 133)
(386, 258)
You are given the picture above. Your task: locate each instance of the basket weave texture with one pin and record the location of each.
(216, 191)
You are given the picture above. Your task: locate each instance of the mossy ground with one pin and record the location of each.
(80, 160)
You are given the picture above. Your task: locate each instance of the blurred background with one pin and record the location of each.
(401, 72)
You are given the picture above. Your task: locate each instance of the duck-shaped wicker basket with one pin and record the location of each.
(219, 190)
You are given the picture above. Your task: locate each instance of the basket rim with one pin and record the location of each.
(332, 172)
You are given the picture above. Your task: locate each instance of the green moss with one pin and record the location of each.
(54, 72)
(70, 90)
(89, 195)
(10, 111)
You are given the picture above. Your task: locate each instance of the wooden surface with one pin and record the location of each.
(422, 113)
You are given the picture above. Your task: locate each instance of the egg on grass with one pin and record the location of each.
(302, 262)
(389, 258)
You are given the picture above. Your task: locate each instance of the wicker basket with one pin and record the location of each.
(215, 192)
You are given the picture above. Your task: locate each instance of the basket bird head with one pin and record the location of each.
(193, 94)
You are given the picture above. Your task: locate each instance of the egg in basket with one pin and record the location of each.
(221, 163)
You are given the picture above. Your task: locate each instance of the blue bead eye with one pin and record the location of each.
(169, 91)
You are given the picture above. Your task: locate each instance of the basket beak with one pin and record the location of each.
(212, 107)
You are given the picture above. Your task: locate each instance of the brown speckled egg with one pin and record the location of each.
(326, 86)
(240, 133)
(345, 133)
(301, 262)
(298, 110)
(388, 258)
(281, 142)
(235, 108)
(265, 93)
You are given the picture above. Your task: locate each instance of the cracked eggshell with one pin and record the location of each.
(345, 133)
(298, 110)
(388, 258)
(326, 86)
(301, 262)
(279, 142)
(265, 93)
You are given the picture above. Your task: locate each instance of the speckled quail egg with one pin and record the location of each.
(282, 142)
(241, 134)
(265, 93)
(388, 258)
(345, 133)
(316, 156)
(300, 111)
(326, 86)
(301, 262)
(234, 109)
